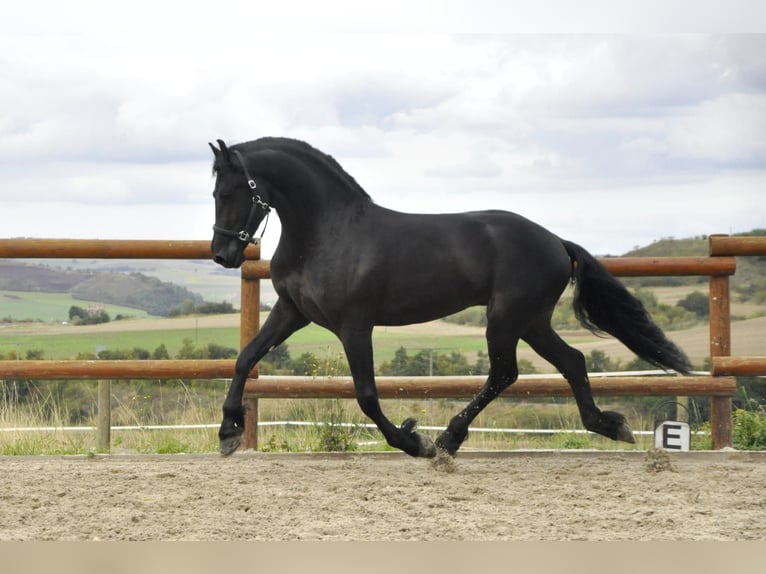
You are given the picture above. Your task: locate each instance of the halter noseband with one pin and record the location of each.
(245, 236)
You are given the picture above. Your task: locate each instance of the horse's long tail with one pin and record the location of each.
(603, 304)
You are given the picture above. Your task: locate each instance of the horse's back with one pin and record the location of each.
(488, 239)
(527, 256)
(433, 265)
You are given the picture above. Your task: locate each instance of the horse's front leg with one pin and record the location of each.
(283, 321)
(358, 347)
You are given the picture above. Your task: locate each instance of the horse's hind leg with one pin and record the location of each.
(503, 372)
(571, 363)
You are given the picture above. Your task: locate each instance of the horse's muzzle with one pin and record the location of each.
(228, 254)
(224, 263)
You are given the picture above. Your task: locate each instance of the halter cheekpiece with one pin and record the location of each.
(244, 235)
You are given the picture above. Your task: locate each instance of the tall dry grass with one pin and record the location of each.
(341, 424)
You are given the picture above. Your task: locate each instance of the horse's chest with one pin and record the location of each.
(311, 296)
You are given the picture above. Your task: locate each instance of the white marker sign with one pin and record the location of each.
(672, 435)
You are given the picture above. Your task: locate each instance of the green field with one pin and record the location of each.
(50, 307)
(69, 345)
(59, 341)
(312, 339)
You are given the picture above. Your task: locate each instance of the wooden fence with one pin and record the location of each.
(719, 386)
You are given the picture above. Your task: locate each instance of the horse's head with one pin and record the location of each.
(241, 204)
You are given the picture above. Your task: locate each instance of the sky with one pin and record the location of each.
(610, 127)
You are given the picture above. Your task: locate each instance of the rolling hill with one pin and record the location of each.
(134, 290)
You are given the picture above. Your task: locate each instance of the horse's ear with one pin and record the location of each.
(222, 155)
(216, 153)
(224, 151)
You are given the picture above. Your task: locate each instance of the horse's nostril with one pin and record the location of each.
(219, 260)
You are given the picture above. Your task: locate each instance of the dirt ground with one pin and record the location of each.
(536, 495)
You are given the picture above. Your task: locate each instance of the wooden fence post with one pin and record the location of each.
(250, 318)
(720, 346)
(104, 424)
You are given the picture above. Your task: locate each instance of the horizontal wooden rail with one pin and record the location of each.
(389, 387)
(738, 366)
(120, 369)
(620, 266)
(728, 245)
(657, 266)
(110, 249)
(261, 269)
(256, 269)
(466, 387)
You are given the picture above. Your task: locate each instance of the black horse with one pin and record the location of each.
(348, 264)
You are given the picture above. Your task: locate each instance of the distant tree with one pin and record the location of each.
(140, 354)
(639, 364)
(420, 365)
(427, 362)
(102, 317)
(189, 307)
(76, 312)
(647, 297)
(482, 364)
(115, 355)
(278, 357)
(216, 351)
(216, 308)
(526, 367)
(161, 353)
(186, 308)
(598, 361)
(398, 365)
(306, 365)
(697, 303)
(35, 354)
(187, 350)
(80, 316)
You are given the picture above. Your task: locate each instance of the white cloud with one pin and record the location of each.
(730, 129)
(95, 115)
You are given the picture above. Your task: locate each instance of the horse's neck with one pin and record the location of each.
(307, 195)
(307, 216)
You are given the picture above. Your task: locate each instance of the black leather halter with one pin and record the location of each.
(244, 235)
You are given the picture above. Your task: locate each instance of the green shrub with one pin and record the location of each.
(334, 436)
(749, 431)
(696, 302)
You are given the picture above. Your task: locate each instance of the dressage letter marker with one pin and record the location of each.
(672, 435)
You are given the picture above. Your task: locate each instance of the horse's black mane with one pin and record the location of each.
(301, 147)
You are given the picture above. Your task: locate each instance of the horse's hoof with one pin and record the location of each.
(448, 444)
(443, 461)
(625, 434)
(613, 425)
(227, 446)
(427, 447)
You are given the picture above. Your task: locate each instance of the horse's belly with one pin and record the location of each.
(428, 301)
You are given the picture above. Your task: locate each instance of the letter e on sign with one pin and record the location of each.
(672, 435)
